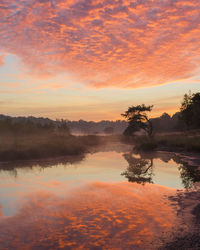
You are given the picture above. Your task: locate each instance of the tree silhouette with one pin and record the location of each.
(190, 110)
(137, 119)
(186, 110)
(196, 110)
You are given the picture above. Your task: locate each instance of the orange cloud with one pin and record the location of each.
(101, 215)
(105, 43)
(51, 86)
(1, 60)
(10, 85)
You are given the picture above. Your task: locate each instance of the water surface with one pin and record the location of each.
(111, 199)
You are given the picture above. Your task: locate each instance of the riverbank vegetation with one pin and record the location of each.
(25, 147)
(26, 139)
(172, 142)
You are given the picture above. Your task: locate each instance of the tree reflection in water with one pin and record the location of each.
(189, 175)
(140, 168)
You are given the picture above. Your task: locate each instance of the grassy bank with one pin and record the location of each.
(181, 142)
(43, 145)
(51, 144)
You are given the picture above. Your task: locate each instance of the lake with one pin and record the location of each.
(111, 199)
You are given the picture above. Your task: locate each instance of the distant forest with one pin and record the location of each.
(31, 124)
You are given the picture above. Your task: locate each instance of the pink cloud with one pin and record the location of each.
(105, 43)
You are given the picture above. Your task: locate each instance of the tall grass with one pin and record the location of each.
(181, 142)
(185, 142)
(24, 147)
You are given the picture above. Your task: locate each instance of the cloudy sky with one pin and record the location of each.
(91, 59)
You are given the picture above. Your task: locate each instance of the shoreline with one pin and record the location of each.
(180, 143)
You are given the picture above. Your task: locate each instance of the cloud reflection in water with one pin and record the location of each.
(95, 215)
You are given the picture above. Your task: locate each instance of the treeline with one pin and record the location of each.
(31, 124)
(105, 127)
(26, 125)
(188, 118)
(167, 123)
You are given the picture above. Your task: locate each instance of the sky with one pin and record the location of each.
(91, 60)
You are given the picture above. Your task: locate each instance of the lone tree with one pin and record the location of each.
(137, 119)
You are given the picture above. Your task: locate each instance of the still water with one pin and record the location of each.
(110, 199)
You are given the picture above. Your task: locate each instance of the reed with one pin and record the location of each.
(24, 147)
